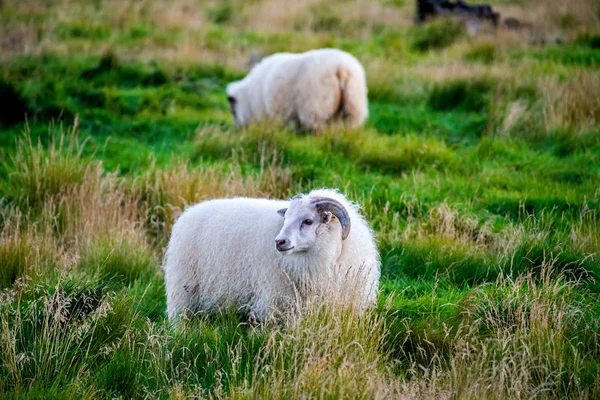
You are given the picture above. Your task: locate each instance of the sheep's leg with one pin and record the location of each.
(178, 301)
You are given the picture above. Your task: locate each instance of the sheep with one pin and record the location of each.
(304, 90)
(266, 257)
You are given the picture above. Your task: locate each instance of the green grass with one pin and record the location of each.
(436, 35)
(478, 168)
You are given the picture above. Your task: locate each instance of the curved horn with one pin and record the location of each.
(337, 209)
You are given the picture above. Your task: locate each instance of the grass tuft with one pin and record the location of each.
(26, 247)
(485, 53)
(468, 95)
(436, 35)
(39, 174)
(120, 259)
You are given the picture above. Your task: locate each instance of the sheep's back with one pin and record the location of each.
(224, 249)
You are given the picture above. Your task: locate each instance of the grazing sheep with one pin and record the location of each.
(265, 256)
(305, 90)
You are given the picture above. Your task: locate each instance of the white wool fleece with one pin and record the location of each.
(305, 90)
(222, 253)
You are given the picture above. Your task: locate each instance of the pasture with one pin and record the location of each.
(478, 168)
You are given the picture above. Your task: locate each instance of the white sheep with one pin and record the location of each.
(304, 90)
(265, 257)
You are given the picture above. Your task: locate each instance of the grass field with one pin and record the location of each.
(479, 169)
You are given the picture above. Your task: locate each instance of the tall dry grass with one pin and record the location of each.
(572, 102)
(43, 173)
(540, 107)
(325, 354)
(532, 336)
(526, 337)
(549, 18)
(27, 246)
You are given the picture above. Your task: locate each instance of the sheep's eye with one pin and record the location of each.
(307, 222)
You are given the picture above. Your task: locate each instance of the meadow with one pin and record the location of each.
(478, 168)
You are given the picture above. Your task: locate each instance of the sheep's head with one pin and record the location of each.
(237, 104)
(309, 218)
(232, 102)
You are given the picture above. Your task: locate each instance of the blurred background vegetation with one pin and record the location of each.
(479, 169)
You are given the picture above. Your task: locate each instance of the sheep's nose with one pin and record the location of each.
(280, 244)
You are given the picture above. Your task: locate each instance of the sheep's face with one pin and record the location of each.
(237, 105)
(304, 227)
(232, 100)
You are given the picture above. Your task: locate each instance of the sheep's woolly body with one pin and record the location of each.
(222, 253)
(306, 89)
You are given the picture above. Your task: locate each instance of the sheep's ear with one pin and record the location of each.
(282, 212)
(326, 217)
